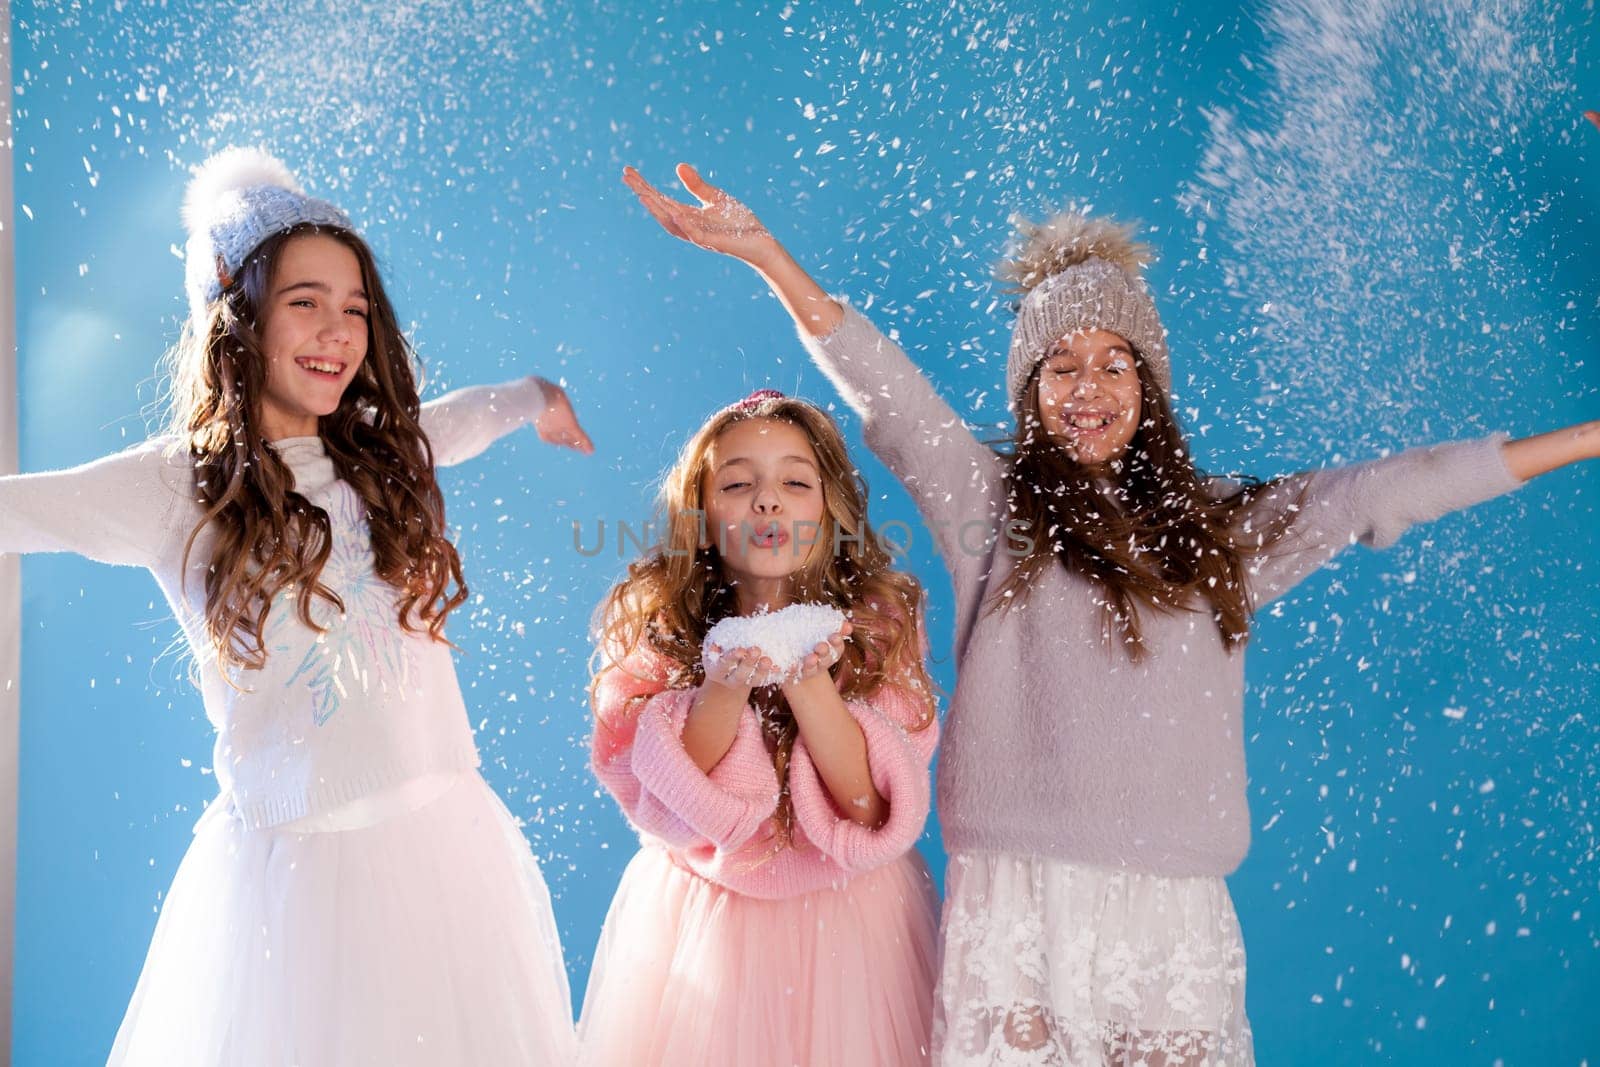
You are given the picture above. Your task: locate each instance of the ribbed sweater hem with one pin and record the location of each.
(277, 808)
(1109, 855)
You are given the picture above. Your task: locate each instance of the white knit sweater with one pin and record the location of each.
(331, 717)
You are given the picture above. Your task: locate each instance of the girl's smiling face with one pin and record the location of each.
(1089, 398)
(313, 334)
(764, 505)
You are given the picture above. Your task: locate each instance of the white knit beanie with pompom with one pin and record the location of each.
(1079, 273)
(237, 199)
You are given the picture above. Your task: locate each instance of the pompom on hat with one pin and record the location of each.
(1079, 273)
(237, 199)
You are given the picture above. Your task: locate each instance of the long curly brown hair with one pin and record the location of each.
(676, 591)
(269, 539)
(1154, 535)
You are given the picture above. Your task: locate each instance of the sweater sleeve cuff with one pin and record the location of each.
(530, 397)
(852, 336)
(829, 339)
(1497, 470)
(520, 401)
(900, 774)
(726, 807)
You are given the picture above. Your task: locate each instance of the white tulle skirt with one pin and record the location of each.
(425, 938)
(1053, 964)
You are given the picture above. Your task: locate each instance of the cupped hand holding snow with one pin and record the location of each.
(786, 636)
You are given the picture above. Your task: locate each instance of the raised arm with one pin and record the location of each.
(462, 424)
(954, 478)
(1375, 503)
(131, 508)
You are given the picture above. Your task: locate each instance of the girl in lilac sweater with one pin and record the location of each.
(1092, 784)
(777, 912)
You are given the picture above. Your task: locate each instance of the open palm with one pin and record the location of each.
(720, 223)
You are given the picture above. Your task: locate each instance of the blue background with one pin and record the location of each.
(1377, 225)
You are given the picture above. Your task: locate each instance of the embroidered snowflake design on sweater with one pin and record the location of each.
(362, 650)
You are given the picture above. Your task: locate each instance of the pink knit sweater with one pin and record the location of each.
(720, 825)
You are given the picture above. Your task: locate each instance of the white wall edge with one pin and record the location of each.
(10, 580)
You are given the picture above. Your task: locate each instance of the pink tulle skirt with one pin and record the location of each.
(688, 972)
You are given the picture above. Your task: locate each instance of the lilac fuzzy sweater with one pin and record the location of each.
(1055, 743)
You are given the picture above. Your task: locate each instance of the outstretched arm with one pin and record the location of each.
(462, 423)
(132, 508)
(1375, 503)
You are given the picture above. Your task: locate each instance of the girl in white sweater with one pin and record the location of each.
(356, 894)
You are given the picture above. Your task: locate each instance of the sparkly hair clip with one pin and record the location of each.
(755, 399)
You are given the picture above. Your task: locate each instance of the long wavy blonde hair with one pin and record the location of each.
(677, 590)
(269, 538)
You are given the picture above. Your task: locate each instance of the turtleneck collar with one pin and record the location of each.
(308, 445)
(308, 458)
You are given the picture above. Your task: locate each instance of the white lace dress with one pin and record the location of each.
(1050, 963)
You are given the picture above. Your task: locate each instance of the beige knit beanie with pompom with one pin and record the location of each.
(1079, 273)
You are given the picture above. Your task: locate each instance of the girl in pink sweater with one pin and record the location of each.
(777, 912)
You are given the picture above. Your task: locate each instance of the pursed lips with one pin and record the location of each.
(771, 536)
